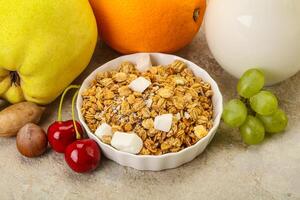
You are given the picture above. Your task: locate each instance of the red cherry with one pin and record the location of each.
(62, 133)
(83, 155)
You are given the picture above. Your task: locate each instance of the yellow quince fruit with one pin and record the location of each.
(44, 46)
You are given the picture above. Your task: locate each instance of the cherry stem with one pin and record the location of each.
(78, 136)
(59, 115)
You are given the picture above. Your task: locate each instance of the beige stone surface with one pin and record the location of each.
(226, 170)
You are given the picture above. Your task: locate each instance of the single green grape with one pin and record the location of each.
(251, 82)
(252, 131)
(235, 113)
(274, 123)
(264, 103)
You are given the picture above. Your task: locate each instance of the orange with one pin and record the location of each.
(130, 26)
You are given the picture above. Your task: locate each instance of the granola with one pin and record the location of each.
(174, 90)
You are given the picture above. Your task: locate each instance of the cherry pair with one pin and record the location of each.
(82, 155)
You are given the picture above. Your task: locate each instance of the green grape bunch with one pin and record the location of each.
(256, 112)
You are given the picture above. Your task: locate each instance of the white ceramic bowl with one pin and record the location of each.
(243, 34)
(150, 162)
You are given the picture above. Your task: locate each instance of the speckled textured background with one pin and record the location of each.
(226, 170)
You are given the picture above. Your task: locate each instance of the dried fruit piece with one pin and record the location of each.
(144, 62)
(127, 142)
(139, 85)
(163, 122)
(200, 131)
(103, 130)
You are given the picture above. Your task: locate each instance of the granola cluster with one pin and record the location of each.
(174, 90)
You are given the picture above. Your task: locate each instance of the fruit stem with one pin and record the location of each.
(59, 115)
(196, 14)
(247, 103)
(78, 136)
(15, 78)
